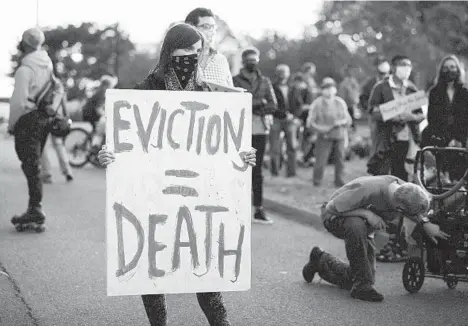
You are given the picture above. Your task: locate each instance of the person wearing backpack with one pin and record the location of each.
(59, 147)
(29, 125)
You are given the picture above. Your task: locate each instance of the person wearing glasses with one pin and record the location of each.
(214, 66)
(356, 212)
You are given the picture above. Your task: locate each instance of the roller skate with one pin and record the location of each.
(33, 219)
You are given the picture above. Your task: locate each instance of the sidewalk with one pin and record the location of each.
(297, 198)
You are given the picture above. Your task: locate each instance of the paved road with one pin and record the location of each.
(60, 274)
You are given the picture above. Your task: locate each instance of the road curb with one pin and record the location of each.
(295, 214)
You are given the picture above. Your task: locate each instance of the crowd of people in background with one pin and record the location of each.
(311, 119)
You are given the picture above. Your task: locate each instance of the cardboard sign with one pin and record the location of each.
(178, 215)
(222, 88)
(408, 103)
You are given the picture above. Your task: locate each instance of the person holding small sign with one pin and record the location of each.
(177, 71)
(393, 136)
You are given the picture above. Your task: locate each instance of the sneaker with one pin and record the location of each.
(369, 294)
(312, 267)
(261, 218)
(69, 178)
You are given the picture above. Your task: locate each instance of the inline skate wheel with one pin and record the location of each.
(452, 282)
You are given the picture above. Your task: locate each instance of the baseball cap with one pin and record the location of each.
(327, 82)
(33, 37)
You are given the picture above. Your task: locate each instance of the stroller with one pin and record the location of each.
(448, 259)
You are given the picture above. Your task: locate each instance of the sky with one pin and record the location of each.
(145, 20)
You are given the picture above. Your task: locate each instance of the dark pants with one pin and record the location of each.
(398, 154)
(31, 133)
(360, 250)
(211, 303)
(351, 110)
(289, 127)
(259, 143)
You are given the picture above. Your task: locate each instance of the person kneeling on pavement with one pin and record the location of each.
(354, 213)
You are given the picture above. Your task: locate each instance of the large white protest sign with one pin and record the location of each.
(178, 213)
(404, 104)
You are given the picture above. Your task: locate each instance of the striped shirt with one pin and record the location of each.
(217, 70)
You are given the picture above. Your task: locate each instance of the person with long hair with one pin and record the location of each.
(177, 71)
(447, 114)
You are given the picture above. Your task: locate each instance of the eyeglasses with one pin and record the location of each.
(404, 64)
(208, 27)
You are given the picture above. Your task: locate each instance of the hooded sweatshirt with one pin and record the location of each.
(35, 70)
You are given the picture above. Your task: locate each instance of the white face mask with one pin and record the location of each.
(403, 73)
(329, 91)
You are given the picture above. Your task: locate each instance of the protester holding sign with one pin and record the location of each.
(447, 113)
(394, 136)
(392, 141)
(177, 71)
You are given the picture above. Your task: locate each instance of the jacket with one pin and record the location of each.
(437, 115)
(34, 71)
(261, 89)
(447, 120)
(386, 132)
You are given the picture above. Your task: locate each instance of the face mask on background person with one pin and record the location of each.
(329, 91)
(250, 66)
(403, 72)
(449, 75)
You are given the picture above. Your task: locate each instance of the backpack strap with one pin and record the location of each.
(42, 91)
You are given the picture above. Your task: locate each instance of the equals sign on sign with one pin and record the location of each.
(181, 190)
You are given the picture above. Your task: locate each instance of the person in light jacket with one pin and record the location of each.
(29, 126)
(329, 117)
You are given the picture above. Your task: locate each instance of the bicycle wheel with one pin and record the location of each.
(78, 145)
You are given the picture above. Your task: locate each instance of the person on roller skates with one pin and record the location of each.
(29, 125)
(354, 213)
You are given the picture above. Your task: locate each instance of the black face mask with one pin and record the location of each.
(250, 66)
(184, 66)
(449, 75)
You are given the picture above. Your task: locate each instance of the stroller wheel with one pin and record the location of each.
(413, 274)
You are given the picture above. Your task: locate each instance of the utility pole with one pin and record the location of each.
(37, 13)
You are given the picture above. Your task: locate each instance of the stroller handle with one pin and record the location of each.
(420, 174)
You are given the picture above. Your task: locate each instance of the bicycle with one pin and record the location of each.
(80, 141)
